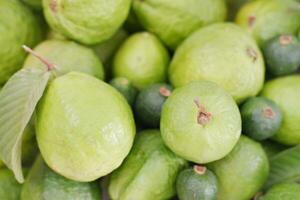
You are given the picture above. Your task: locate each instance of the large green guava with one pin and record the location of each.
(67, 56)
(85, 127)
(10, 189)
(174, 20)
(242, 172)
(285, 92)
(200, 122)
(86, 21)
(44, 184)
(148, 173)
(142, 59)
(18, 26)
(265, 19)
(223, 53)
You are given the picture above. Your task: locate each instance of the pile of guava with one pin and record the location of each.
(150, 100)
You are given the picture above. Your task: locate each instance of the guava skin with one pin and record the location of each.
(85, 128)
(174, 20)
(44, 184)
(149, 172)
(18, 26)
(88, 22)
(35, 4)
(67, 56)
(234, 6)
(222, 53)
(142, 59)
(257, 17)
(242, 172)
(283, 191)
(285, 92)
(182, 128)
(10, 189)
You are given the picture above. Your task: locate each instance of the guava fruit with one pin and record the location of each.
(234, 6)
(142, 59)
(285, 92)
(272, 148)
(200, 122)
(283, 191)
(84, 127)
(87, 22)
(44, 184)
(67, 56)
(125, 87)
(242, 172)
(266, 19)
(149, 172)
(222, 53)
(35, 4)
(10, 189)
(174, 20)
(18, 26)
(197, 183)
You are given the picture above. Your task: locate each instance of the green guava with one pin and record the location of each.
(10, 189)
(285, 92)
(265, 19)
(148, 173)
(234, 6)
(200, 122)
(85, 127)
(44, 184)
(223, 53)
(174, 20)
(142, 59)
(242, 172)
(18, 26)
(67, 56)
(35, 4)
(283, 191)
(86, 21)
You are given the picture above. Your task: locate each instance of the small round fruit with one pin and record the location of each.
(67, 56)
(242, 173)
(148, 173)
(258, 18)
(18, 26)
(222, 53)
(10, 188)
(149, 104)
(142, 59)
(85, 128)
(282, 55)
(174, 20)
(285, 92)
(261, 118)
(283, 191)
(200, 122)
(44, 184)
(198, 183)
(124, 86)
(86, 22)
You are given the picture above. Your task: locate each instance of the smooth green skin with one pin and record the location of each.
(242, 172)
(44, 184)
(35, 4)
(142, 59)
(149, 104)
(174, 20)
(18, 26)
(125, 87)
(264, 27)
(149, 172)
(220, 53)
(256, 123)
(193, 186)
(67, 56)
(283, 191)
(282, 59)
(10, 189)
(86, 21)
(85, 128)
(285, 92)
(193, 141)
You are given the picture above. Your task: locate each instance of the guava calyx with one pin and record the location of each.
(285, 40)
(251, 21)
(252, 54)
(200, 169)
(53, 5)
(164, 91)
(203, 116)
(268, 113)
(258, 195)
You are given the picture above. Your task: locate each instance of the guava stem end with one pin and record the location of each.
(200, 169)
(203, 116)
(164, 91)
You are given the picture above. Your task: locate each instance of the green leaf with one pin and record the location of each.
(18, 99)
(285, 167)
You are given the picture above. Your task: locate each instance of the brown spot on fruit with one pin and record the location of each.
(199, 169)
(285, 40)
(257, 196)
(268, 112)
(251, 21)
(53, 5)
(164, 91)
(252, 54)
(203, 116)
